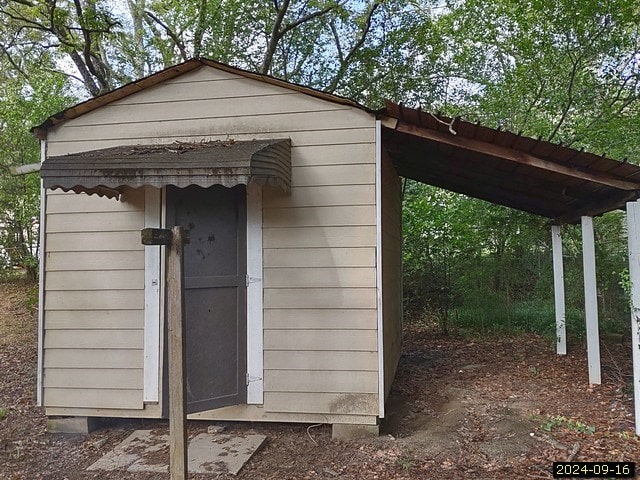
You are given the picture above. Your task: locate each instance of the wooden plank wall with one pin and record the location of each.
(391, 269)
(94, 300)
(320, 346)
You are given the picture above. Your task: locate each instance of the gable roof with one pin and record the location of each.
(173, 72)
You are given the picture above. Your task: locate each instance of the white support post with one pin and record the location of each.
(558, 290)
(152, 306)
(633, 227)
(591, 300)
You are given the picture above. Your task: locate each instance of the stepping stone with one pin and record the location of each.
(148, 451)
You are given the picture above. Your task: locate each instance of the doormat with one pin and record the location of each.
(148, 451)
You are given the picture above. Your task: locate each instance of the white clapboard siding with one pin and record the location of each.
(320, 381)
(319, 245)
(70, 261)
(223, 107)
(203, 126)
(320, 216)
(205, 89)
(319, 277)
(278, 257)
(322, 237)
(92, 358)
(94, 320)
(321, 360)
(94, 300)
(95, 222)
(327, 403)
(355, 153)
(94, 241)
(320, 298)
(100, 339)
(359, 174)
(93, 398)
(322, 196)
(321, 340)
(93, 378)
(303, 138)
(320, 318)
(95, 280)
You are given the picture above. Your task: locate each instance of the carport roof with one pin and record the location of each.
(501, 167)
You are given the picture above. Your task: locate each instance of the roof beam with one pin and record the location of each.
(497, 195)
(474, 170)
(597, 208)
(521, 158)
(473, 182)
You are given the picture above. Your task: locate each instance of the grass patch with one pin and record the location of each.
(4, 412)
(556, 421)
(537, 316)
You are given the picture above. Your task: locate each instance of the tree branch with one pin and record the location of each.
(13, 63)
(290, 26)
(200, 29)
(275, 36)
(25, 3)
(336, 39)
(176, 40)
(344, 64)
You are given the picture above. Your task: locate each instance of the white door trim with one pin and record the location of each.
(255, 320)
(152, 297)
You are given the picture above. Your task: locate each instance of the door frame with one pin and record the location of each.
(154, 325)
(255, 284)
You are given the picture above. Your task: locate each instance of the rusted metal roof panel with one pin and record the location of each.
(502, 167)
(228, 163)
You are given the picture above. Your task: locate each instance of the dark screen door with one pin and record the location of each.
(215, 292)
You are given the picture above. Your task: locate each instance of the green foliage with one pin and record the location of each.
(556, 421)
(23, 102)
(32, 299)
(3, 413)
(406, 462)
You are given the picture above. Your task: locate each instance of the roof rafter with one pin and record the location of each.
(598, 208)
(518, 157)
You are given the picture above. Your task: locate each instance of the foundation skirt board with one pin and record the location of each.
(71, 424)
(148, 451)
(348, 431)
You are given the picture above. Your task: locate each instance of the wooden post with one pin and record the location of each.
(633, 227)
(591, 300)
(558, 290)
(175, 239)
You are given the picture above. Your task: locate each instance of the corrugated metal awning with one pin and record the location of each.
(227, 163)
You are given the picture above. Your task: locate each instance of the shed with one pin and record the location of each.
(293, 276)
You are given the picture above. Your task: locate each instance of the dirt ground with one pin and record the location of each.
(460, 408)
